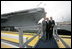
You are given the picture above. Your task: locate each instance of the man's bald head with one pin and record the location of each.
(51, 18)
(47, 18)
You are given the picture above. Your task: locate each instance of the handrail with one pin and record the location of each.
(35, 27)
(26, 43)
(66, 45)
(21, 29)
(57, 36)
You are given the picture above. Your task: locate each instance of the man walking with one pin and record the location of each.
(52, 23)
(47, 28)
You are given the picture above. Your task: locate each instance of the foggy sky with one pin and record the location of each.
(59, 10)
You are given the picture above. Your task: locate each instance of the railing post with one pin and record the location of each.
(20, 38)
(21, 43)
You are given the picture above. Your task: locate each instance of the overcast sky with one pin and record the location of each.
(59, 10)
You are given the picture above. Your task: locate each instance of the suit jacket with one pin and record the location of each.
(52, 23)
(48, 26)
(44, 25)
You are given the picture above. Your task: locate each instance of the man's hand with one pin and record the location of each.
(52, 24)
(50, 28)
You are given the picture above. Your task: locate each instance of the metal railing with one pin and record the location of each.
(21, 29)
(38, 28)
(56, 36)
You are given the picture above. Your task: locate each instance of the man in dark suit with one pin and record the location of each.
(47, 28)
(52, 23)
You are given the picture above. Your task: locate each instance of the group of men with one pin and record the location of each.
(47, 28)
